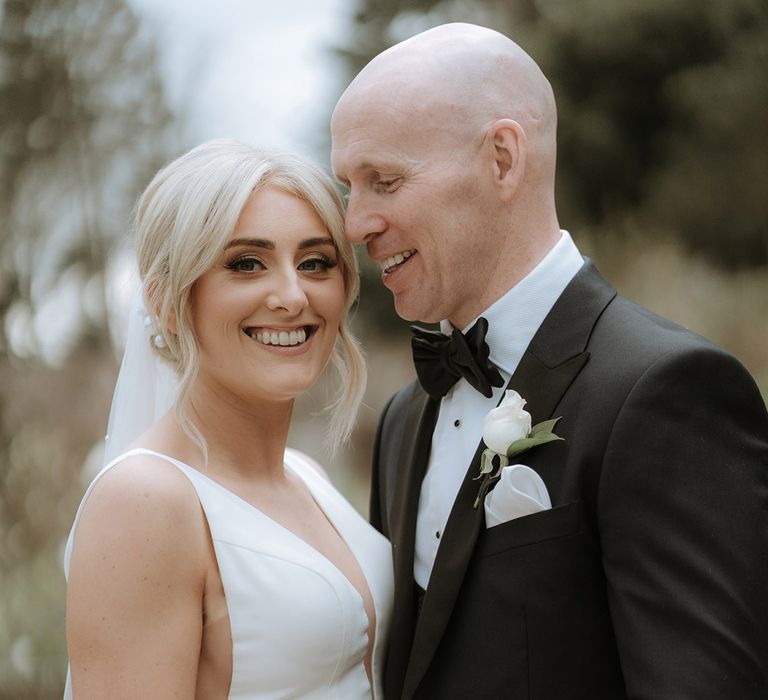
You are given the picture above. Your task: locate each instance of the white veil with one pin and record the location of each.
(146, 386)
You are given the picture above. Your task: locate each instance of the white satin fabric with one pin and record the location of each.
(520, 491)
(299, 627)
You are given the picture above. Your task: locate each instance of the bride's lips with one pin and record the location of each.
(284, 338)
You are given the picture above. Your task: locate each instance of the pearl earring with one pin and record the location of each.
(158, 341)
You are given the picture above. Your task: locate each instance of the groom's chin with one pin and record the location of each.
(412, 313)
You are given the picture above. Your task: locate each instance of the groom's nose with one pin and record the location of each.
(362, 221)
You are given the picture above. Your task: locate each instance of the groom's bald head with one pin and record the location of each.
(460, 78)
(456, 119)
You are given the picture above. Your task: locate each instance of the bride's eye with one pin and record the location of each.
(246, 263)
(320, 264)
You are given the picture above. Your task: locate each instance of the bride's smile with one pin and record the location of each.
(282, 337)
(267, 314)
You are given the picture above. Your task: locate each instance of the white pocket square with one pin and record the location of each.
(520, 491)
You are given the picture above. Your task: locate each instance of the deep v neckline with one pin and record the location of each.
(284, 528)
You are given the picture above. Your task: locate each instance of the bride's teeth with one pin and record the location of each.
(284, 338)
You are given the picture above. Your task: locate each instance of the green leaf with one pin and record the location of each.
(503, 462)
(486, 462)
(543, 427)
(527, 443)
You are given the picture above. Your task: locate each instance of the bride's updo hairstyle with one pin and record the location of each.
(182, 223)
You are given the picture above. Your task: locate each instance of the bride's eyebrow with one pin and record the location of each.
(253, 242)
(269, 245)
(320, 240)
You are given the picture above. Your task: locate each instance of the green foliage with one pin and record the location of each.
(662, 108)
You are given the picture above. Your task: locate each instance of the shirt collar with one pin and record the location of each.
(515, 317)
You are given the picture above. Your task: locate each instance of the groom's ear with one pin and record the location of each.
(509, 150)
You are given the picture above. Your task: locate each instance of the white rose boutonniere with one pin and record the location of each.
(506, 424)
(507, 432)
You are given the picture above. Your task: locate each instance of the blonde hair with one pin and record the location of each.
(182, 222)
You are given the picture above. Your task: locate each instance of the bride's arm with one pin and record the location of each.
(136, 583)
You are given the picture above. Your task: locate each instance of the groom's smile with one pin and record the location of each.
(389, 264)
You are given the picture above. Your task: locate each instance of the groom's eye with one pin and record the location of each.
(389, 184)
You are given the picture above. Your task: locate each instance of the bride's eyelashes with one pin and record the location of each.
(246, 263)
(249, 264)
(319, 263)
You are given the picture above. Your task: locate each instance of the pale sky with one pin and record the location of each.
(255, 70)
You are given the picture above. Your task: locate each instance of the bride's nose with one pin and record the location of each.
(287, 294)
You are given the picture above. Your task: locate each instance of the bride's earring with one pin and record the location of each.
(157, 338)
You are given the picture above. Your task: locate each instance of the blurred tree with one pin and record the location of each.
(662, 108)
(83, 125)
(712, 182)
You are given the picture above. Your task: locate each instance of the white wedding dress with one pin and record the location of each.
(299, 627)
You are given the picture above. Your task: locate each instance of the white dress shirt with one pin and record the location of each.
(513, 320)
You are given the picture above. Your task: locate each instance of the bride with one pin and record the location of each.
(207, 560)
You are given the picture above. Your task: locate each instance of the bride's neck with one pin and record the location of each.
(243, 436)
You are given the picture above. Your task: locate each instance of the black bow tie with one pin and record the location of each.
(441, 360)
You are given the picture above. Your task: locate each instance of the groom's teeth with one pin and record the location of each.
(396, 259)
(284, 338)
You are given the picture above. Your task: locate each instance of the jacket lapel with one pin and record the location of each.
(409, 470)
(550, 364)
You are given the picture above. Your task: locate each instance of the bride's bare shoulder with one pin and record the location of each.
(142, 501)
(146, 481)
(136, 582)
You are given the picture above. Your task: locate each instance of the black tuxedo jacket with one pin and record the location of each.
(648, 579)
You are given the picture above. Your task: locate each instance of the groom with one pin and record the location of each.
(648, 576)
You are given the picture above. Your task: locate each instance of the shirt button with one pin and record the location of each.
(457, 423)
(437, 534)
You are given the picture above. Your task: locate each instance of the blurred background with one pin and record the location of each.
(663, 179)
